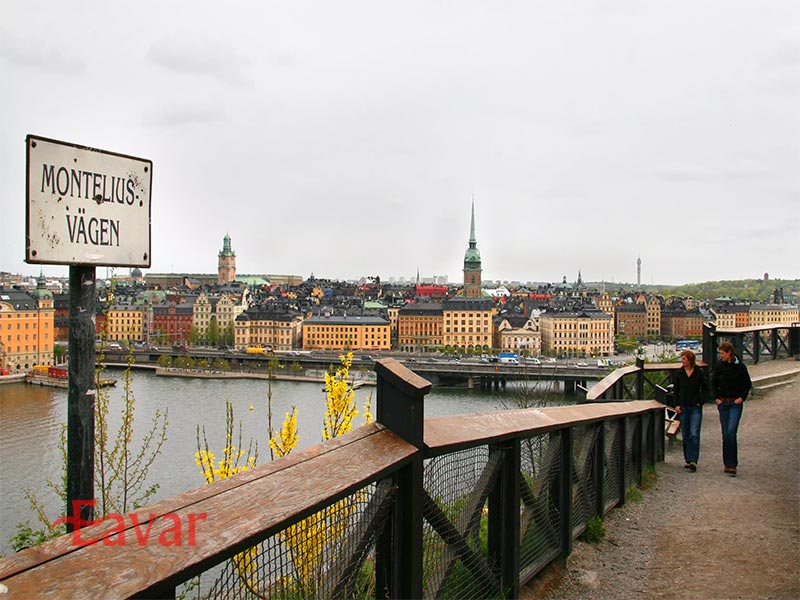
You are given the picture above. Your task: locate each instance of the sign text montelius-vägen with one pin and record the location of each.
(99, 187)
(87, 206)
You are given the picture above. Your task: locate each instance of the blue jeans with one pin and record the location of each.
(691, 418)
(729, 416)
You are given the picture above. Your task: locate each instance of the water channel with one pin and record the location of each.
(31, 419)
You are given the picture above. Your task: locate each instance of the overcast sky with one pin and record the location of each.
(348, 139)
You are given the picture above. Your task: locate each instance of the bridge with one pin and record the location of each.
(473, 373)
(471, 506)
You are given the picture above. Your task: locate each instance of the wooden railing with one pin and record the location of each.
(464, 506)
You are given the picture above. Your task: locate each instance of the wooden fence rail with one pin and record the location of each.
(465, 506)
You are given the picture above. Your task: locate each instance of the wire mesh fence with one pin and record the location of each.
(540, 466)
(329, 554)
(455, 556)
(613, 447)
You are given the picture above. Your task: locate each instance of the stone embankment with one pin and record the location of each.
(705, 534)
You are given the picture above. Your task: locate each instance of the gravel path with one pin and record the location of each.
(706, 535)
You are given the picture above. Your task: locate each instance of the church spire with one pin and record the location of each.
(472, 262)
(473, 242)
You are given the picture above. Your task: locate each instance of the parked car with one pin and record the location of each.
(533, 360)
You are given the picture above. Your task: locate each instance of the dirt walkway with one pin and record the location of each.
(707, 535)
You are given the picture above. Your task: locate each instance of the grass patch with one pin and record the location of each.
(634, 494)
(595, 531)
(649, 478)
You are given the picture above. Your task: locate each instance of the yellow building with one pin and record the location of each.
(202, 311)
(419, 327)
(279, 330)
(468, 325)
(229, 306)
(124, 323)
(605, 303)
(26, 328)
(773, 314)
(586, 333)
(724, 316)
(346, 333)
(653, 306)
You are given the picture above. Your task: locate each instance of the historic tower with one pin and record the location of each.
(472, 263)
(226, 267)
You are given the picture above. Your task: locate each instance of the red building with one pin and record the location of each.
(438, 292)
(172, 322)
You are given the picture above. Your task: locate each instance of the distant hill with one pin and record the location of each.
(752, 290)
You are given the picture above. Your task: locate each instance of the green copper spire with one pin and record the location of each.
(472, 257)
(226, 247)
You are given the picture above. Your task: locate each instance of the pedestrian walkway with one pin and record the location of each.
(705, 534)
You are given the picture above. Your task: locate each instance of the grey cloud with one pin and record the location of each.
(197, 56)
(35, 53)
(681, 174)
(786, 56)
(187, 113)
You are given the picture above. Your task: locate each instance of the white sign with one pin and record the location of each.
(86, 206)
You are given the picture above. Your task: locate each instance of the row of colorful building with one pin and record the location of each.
(321, 316)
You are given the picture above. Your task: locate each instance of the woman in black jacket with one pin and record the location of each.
(691, 390)
(731, 386)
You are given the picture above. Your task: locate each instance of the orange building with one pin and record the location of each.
(346, 333)
(27, 332)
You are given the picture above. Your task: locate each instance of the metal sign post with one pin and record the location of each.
(80, 402)
(85, 207)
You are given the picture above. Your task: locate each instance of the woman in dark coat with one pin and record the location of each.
(691, 391)
(731, 386)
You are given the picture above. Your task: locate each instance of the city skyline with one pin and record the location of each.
(350, 140)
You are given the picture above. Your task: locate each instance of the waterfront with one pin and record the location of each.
(31, 419)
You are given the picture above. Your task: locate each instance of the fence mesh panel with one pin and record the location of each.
(649, 457)
(613, 447)
(329, 554)
(631, 428)
(455, 558)
(583, 458)
(539, 519)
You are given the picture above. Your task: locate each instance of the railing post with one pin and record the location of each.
(504, 519)
(756, 346)
(710, 342)
(400, 408)
(794, 340)
(565, 492)
(774, 339)
(738, 343)
(640, 379)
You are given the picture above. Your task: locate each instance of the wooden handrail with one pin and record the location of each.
(239, 512)
(448, 434)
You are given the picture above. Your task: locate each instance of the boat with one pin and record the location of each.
(58, 376)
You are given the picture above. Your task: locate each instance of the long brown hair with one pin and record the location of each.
(690, 356)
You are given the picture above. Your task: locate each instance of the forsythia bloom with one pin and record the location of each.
(284, 441)
(340, 406)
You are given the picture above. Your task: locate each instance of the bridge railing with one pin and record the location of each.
(468, 506)
(753, 344)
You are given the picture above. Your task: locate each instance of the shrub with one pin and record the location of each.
(595, 531)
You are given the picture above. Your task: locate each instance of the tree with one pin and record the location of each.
(194, 335)
(212, 335)
(59, 354)
(121, 467)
